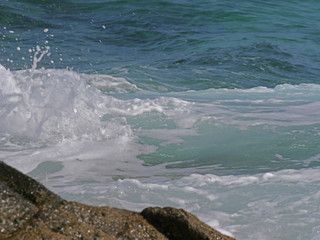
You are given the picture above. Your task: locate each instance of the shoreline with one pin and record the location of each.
(29, 210)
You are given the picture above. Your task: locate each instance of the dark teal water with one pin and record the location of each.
(170, 45)
(211, 106)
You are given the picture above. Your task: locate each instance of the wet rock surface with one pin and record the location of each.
(30, 211)
(179, 224)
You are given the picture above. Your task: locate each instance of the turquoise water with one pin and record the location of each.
(212, 106)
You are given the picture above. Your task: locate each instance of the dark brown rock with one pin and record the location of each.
(30, 211)
(30, 189)
(178, 224)
(14, 210)
(37, 234)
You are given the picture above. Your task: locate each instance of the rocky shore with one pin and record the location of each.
(30, 211)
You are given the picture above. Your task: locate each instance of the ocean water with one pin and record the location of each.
(211, 106)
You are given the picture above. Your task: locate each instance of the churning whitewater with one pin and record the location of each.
(101, 140)
(211, 106)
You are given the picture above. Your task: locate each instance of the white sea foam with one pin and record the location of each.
(60, 115)
(49, 104)
(235, 205)
(7, 83)
(60, 104)
(286, 175)
(84, 135)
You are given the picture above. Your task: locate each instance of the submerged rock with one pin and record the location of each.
(28, 210)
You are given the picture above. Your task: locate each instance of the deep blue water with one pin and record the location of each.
(212, 106)
(170, 45)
